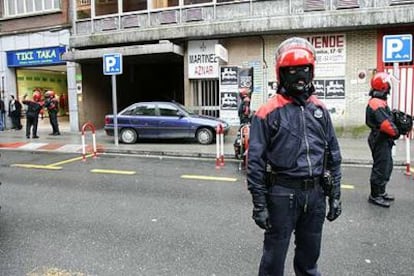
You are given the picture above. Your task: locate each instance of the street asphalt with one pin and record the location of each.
(354, 150)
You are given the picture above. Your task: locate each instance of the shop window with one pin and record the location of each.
(104, 7)
(29, 7)
(134, 5)
(159, 4)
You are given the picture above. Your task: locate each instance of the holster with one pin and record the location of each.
(327, 183)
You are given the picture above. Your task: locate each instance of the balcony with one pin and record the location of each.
(219, 18)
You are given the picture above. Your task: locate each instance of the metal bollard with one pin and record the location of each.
(219, 146)
(85, 126)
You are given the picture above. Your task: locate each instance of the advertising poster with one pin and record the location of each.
(229, 94)
(228, 100)
(228, 76)
(330, 88)
(246, 78)
(332, 93)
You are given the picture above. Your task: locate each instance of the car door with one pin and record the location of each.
(173, 123)
(144, 120)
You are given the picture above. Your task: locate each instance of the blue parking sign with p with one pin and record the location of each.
(397, 48)
(112, 64)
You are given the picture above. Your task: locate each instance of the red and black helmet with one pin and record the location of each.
(49, 94)
(37, 96)
(381, 82)
(295, 51)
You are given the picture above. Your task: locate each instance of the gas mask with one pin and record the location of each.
(296, 79)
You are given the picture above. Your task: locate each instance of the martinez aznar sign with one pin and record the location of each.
(36, 57)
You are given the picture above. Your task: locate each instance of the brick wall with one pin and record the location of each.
(361, 55)
(42, 21)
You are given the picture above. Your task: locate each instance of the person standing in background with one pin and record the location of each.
(15, 112)
(34, 108)
(2, 117)
(51, 103)
(378, 117)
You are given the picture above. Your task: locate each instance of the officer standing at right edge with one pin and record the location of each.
(384, 131)
(292, 145)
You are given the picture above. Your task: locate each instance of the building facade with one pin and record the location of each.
(191, 50)
(33, 37)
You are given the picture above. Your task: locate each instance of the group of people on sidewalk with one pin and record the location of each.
(34, 110)
(15, 113)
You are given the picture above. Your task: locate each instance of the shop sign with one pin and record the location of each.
(202, 60)
(329, 48)
(36, 57)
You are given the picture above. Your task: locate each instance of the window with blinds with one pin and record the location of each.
(314, 5)
(401, 2)
(347, 4)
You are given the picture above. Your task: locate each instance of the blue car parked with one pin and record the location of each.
(163, 120)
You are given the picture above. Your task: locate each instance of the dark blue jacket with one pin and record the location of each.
(291, 139)
(378, 116)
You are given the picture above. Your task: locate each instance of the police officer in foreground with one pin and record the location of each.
(384, 130)
(294, 163)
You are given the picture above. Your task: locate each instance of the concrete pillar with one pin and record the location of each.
(72, 96)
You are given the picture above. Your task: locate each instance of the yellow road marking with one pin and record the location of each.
(49, 271)
(31, 166)
(53, 166)
(346, 186)
(69, 160)
(113, 171)
(204, 177)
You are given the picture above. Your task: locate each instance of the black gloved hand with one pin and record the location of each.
(261, 218)
(260, 212)
(335, 209)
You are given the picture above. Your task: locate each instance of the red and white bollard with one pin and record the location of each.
(92, 128)
(219, 146)
(244, 146)
(407, 154)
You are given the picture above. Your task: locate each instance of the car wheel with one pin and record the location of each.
(204, 136)
(128, 136)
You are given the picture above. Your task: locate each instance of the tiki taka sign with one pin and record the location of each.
(202, 60)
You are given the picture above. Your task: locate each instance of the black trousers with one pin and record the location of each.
(54, 122)
(381, 150)
(31, 124)
(298, 211)
(15, 119)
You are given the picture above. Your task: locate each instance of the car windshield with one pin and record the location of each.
(186, 110)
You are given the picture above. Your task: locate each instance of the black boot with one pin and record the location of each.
(378, 200)
(388, 197)
(383, 194)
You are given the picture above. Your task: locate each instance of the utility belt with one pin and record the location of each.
(307, 183)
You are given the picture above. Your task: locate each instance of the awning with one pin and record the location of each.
(164, 46)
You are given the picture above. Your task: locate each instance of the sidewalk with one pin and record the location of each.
(354, 151)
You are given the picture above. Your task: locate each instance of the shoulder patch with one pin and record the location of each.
(313, 99)
(273, 103)
(375, 103)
